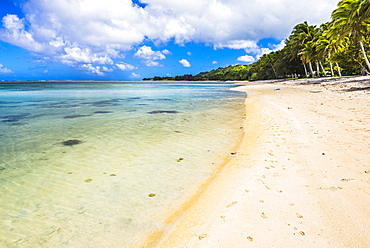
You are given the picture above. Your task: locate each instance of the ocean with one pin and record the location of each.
(103, 164)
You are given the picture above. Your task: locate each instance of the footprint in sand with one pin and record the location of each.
(232, 204)
(202, 236)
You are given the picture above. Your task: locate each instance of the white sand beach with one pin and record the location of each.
(299, 178)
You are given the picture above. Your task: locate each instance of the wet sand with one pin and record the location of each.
(299, 178)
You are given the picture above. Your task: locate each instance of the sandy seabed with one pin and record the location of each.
(299, 178)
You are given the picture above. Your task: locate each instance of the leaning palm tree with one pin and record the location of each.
(301, 35)
(326, 47)
(351, 19)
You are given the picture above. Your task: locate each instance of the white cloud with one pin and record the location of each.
(76, 54)
(214, 62)
(166, 52)
(146, 52)
(126, 67)
(4, 69)
(189, 53)
(135, 75)
(185, 63)
(151, 63)
(106, 69)
(237, 44)
(246, 58)
(15, 34)
(149, 56)
(95, 69)
(82, 31)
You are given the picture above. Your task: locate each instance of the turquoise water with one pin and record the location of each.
(104, 164)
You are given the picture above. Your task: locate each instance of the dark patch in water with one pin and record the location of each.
(102, 112)
(14, 118)
(164, 99)
(74, 116)
(163, 112)
(71, 142)
(133, 98)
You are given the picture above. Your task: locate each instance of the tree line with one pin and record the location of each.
(335, 48)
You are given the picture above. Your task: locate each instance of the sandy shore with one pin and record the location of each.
(299, 178)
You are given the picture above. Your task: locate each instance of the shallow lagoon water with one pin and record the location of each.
(104, 164)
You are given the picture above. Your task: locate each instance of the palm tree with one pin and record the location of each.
(299, 41)
(350, 20)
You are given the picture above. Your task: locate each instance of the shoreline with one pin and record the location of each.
(300, 178)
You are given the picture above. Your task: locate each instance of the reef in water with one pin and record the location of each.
(163, 112)
(71, 142)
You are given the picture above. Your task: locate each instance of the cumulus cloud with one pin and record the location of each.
(246, 58)
(76, 54)
(4, 69)
(96, 32)
(166, 52)
(149, 56)
(185, 63)
(126, 67)
(15, 34)
(95, 69)
(135, 75)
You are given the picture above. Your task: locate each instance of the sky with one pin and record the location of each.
(135, 39)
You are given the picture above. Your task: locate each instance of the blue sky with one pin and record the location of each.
(133, 39)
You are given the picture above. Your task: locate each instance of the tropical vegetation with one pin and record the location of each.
(339, 47)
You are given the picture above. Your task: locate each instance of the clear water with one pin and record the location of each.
(131, 169)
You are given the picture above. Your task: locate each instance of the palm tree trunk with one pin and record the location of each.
(323, 70)
(276, 76)
(338, 68)
(317, 69)
(331, 69)
(310, 64)
(305, 68)
(364, 53)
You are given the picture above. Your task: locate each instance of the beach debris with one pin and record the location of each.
(180, 159)
(233, 153)
(112, 175)
(290, 107)
(89, 180)
(347, 179)
(202, 236)
(277, 89)
(263, 215)
(367, 172)
(71, 142)
(151, 195)
(299, 215)
(232, 204)
(163, 112)
(74, 116)
(250, 238)
(301, 233)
